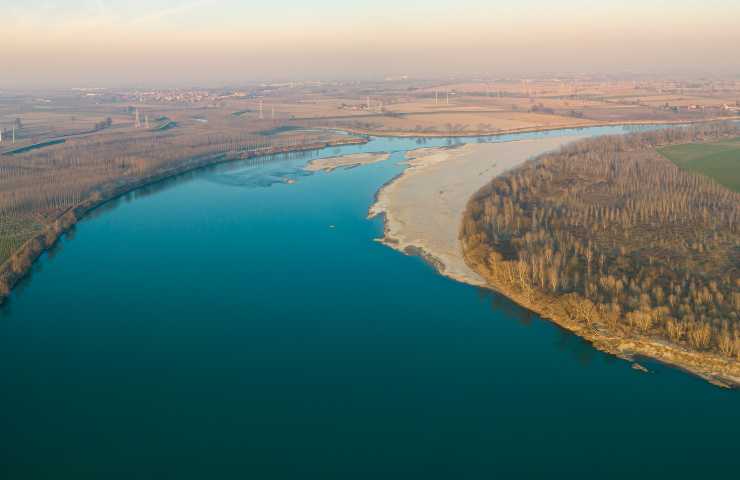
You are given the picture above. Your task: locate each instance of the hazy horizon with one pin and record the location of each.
(114, 43)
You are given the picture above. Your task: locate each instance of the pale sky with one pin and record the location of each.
(148, 42)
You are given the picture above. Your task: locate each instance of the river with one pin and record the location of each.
(226, 324)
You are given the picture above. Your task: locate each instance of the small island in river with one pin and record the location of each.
(345, 161)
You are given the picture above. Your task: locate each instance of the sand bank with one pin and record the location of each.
(345, 161)
(424, 206)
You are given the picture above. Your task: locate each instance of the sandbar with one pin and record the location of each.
(424, 206)
(345, 161)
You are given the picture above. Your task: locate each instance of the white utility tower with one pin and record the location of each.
(436, 97)
(261, 115)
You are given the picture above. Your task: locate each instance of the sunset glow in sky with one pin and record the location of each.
(114, 42)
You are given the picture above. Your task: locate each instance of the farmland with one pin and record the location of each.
(718, 160)
(63, 149)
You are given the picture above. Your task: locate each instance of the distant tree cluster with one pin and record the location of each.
(620, 236)
(541, 108)
(104, 124)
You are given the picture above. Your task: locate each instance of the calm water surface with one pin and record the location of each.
(215, 326)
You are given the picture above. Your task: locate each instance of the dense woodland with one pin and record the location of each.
(617, 235)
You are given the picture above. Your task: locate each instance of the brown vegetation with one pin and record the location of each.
(616, 238)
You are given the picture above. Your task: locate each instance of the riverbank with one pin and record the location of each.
(423, 208)
(512, 131)
(19, 264)
(717, 370)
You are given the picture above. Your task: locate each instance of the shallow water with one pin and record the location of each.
(216, 326)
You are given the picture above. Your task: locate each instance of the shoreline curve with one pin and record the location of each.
(423, 207)
(421, 217)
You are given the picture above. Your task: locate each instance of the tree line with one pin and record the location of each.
(620, 236)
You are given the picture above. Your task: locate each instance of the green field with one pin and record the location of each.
(720, 161)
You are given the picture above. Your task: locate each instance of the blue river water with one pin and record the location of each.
(226, 324)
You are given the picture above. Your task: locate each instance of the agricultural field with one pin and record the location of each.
(719, 160)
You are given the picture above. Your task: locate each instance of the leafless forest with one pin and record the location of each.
(618, 236)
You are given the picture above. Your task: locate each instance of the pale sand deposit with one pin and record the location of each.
(424, 209)
(424, 206)
(346, 161)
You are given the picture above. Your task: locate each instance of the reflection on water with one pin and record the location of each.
(564, 340)
(584, 353)
(264, 173)
(210, 327)
(256, 177)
